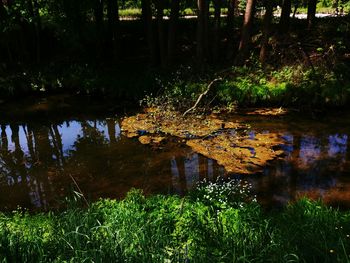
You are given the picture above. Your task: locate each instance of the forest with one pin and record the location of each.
(129, 49)
(174, 131)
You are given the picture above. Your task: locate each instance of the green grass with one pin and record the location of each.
(174, 229)
(130, 12)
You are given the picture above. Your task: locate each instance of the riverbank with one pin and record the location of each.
(204, 227)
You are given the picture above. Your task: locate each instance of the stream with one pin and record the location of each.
(44, 158)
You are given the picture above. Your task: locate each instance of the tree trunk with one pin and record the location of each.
(285, 16)
(202, 31)
(296, 5)
(230, 27)
(38, 29)
(172, 33)
(147, 21)
(311, 13)
(98, 14)
(266, 30)
(34, 34)
(160, 29)
(246, 32)
(113, 20)
(216, 31)
(2, 11)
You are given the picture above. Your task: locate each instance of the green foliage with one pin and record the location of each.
(207, 226)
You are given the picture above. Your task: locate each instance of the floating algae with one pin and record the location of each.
(146, 139)
(172, 123)
(209, 136)
(268, 112)
(242, 155)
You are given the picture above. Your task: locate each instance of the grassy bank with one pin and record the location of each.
(205, 227)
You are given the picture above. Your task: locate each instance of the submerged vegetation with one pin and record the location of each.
(213, 224)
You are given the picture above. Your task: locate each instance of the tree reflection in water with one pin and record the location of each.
(37, 161)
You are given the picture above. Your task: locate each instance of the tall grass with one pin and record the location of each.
(174, 229)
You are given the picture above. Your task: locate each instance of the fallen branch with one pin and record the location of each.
(201, 96)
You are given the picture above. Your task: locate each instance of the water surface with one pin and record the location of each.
(43, 160)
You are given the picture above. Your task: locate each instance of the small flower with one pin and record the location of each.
(331, 251)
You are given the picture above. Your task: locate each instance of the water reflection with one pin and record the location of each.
(38, 161)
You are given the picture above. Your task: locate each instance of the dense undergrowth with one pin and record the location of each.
(213, 224)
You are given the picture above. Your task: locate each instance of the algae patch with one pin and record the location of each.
(172, 123)
(268, 112)
(210, 136)
(242, 155)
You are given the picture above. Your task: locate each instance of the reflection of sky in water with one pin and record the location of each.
(21, 136)
(251, 135)
(288, 146)
(337, 144)
(309, 149)
(69, 132)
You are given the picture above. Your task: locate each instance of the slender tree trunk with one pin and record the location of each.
(230, 27)
(113, 21)
(311, 13)
(161, 37)
(285, 16)
(246, 32)
(147, 21)
(216, 31)
(38, 29)
(266, 30)
(172, 33)
(296, 6)
(98, 14)
(32, 36)
(2, 11)
(202, 31)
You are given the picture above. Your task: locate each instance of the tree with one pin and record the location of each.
(311, 13)
(33, 9)
(202, 31)
(147, 21)
(113, 21)
(160, 31)
(266, 30)
(172, 32)
(216, 30)
(246, 32)
(285, 16)
(230, 27)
